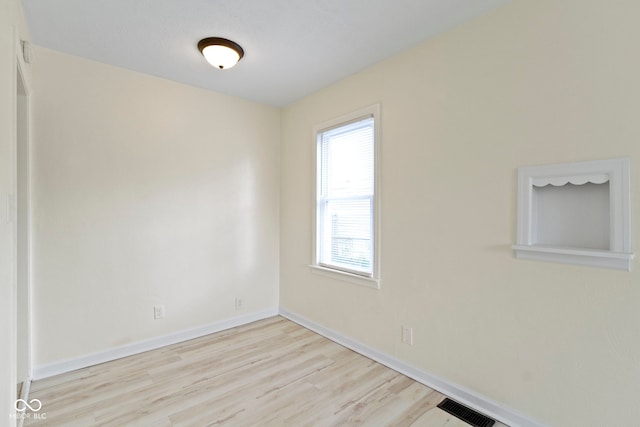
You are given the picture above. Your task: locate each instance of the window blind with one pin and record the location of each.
(346, 197)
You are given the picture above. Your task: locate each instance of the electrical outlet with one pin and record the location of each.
(239, 303)
(407, 335)
(158, 312)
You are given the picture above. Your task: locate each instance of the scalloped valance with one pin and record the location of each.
(559, 181)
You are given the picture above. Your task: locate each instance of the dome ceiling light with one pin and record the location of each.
(219, 52)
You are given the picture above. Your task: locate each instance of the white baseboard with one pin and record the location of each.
(467, 397)
(61, 367)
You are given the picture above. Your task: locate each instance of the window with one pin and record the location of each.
(346, 220)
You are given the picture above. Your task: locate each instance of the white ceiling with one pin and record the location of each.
(292, 47)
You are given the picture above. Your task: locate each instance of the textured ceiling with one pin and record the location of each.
(292, 47)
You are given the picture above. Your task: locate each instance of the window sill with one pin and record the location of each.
(373, 283)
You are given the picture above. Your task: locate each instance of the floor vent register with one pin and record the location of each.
(467, 415)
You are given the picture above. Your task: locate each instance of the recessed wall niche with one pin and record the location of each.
(576, 213)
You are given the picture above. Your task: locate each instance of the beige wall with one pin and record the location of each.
(146, 192)
(532, 83)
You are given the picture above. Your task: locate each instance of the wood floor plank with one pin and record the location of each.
(438, 418)
(268, 373)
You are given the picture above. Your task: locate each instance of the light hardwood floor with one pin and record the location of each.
(268, 373)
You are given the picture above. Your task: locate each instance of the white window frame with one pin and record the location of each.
(374, 280)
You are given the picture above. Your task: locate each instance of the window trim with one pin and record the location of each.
(372, 281)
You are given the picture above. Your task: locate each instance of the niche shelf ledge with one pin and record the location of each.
(593, 258)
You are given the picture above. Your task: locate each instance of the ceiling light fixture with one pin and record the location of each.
(219, 52)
